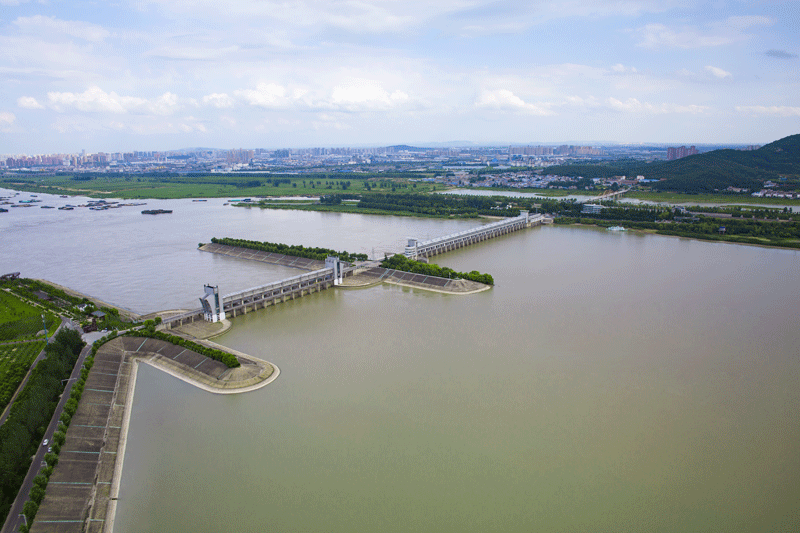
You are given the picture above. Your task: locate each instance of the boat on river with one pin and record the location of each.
(616, 228)
(156, 211)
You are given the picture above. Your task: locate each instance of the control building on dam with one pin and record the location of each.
(416, 248)
(263, 296)
(266, 295)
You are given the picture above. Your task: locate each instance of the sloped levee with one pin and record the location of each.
(82, 492)
(264, 257)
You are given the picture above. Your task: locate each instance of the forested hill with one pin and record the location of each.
(715, 170)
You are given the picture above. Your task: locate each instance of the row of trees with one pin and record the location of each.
(316, 253)
(401, 262)
(30, 414)
(437, 205)
(785, 234)
(226, 358)
(40, 482)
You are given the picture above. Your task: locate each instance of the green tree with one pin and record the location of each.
(37, 495)
(29, 510)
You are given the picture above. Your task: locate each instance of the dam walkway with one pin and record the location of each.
(416, 248)
(269, 294)
(334, 271)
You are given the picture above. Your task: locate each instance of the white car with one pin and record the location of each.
(45, 442)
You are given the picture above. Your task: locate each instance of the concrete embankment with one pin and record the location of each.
(264, 257)
(372, 276)
(366, 276)
(83, 489)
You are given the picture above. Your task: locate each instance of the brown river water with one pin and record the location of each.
(608, 382)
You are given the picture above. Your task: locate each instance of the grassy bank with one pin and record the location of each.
(678, 198)
(133, 187)
(689, 231)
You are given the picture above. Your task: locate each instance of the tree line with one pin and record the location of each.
(315, 253)
(149, 330)
(30, 414)
(403, 263)
(437, 204)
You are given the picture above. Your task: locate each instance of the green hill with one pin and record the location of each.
(712, 171)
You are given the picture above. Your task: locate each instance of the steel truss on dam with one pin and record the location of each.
(440, 245)
(270, 294)
(297, 286)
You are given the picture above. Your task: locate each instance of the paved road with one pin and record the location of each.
(14, 519)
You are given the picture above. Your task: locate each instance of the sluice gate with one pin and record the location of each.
(447, 243)
(265, 295)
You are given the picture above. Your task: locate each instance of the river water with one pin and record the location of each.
(608, 382)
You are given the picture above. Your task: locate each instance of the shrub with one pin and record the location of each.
(40, 481)
(37, 495)
(29, 510)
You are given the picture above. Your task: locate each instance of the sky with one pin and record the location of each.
(126, 75)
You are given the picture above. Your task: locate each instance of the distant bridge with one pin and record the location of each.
(608, 195)
(447, 243)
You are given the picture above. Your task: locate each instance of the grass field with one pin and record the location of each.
(22, 321)
(220, 186)
(15, 360)
(13, 309)
(341, 208)
(671, 197)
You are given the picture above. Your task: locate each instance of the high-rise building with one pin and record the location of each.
(681, 151)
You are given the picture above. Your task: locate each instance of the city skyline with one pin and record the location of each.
(163, 75)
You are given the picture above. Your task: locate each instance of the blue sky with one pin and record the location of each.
(165, 74)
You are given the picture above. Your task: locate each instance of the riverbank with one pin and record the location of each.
(709, 238)
(124, 313)
(375, 275)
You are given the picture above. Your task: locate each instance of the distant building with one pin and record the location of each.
(592, 209)
(677, 153)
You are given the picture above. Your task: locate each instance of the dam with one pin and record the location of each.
(334, 271)
(416, 249)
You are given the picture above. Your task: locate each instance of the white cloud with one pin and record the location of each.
(365, 94)
(137, 124)
(504, 99)
(718, 72)
(775, 111)
(633, 105)
(352, 95)
(219, 100)
(95, 100)
(188, 53)
(29, 102)
(717, 33)
(744, 22)
(44, 26)
(270, 95)
(6, 121)
(619, 68)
